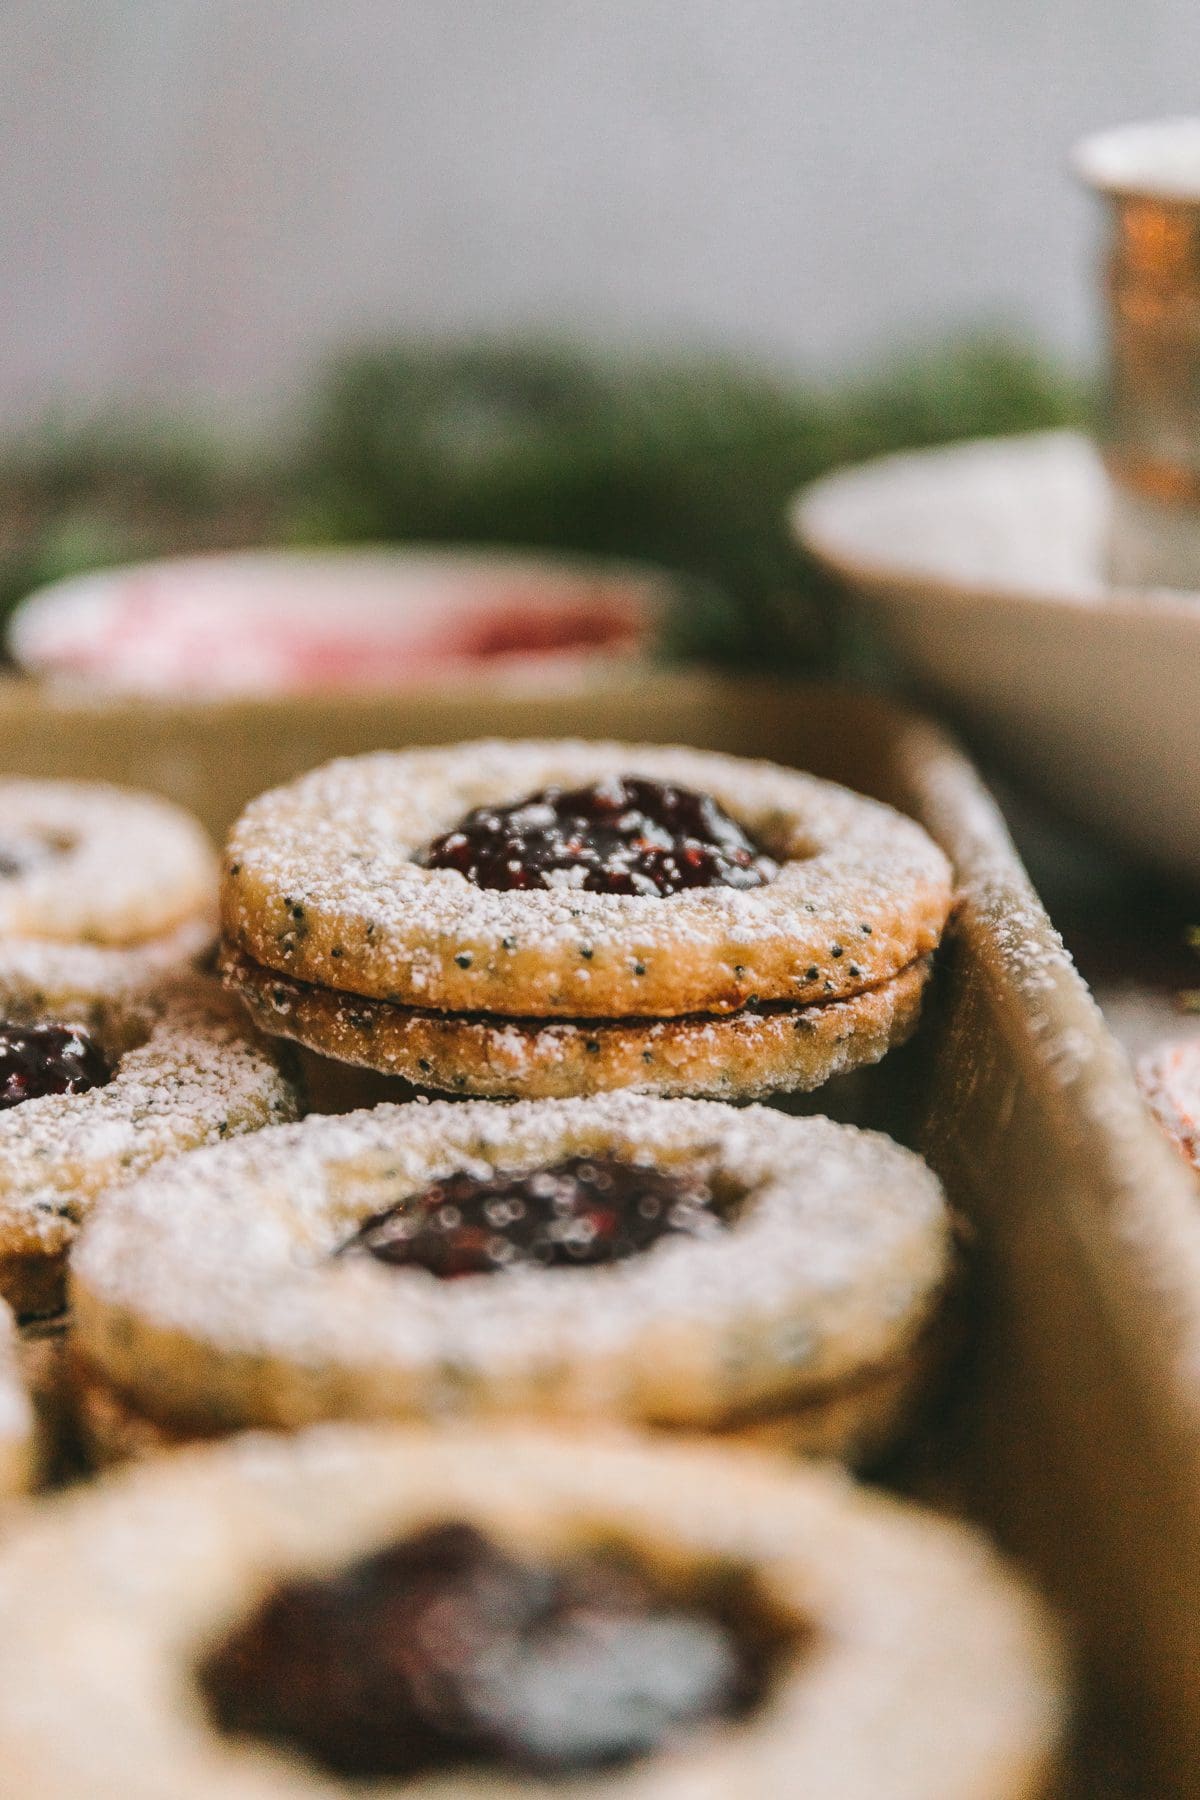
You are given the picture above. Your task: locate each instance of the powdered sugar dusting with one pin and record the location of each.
(86, 862)
(190, 1073)
(839, 1245)
(94, 984)
(322, 883)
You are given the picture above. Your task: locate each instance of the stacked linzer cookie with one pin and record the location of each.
(114, 1050)
(540, 1364)
(538, 919)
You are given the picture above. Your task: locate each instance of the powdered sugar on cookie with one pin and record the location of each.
(214, 1285)
(96, 985)
(89, 863)
(187, 1072)
(323, 882)
(739, 1056)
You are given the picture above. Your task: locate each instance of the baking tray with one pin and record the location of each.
(1076, 1433)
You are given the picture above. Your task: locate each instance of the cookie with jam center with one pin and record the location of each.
(88, 863)
(541, 919)
(510, 1613)
(682, 1264)
(645, 882)
(105, 895)
(83, 1107)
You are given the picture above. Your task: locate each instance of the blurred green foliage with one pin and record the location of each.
(87, 498)
(684, 461)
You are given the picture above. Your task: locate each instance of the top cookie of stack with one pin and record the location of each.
(104, 893)
(558, 918)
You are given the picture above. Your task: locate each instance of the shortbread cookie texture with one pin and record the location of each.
(855, 1423)
(80, 1112)
(302, 1274)
(104, 988)
(83, 862)
(739, 1056)
(344, 880)
(502, 1612)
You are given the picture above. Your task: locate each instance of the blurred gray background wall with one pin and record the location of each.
(201, 196)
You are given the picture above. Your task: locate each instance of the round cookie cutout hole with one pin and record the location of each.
(445, 1650)
(47, 1052)
(585, 1210)
(22, 851)
(625, 834)
(41, 1060)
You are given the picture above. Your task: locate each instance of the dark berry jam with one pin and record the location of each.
(624, 835)
(588, 1209)
(49, 1059)
(444, 1651)
(21, 851)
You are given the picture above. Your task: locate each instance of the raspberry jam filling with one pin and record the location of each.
(623, 835)
(444, 1650)
(23, 851)
(587, 1209)
(49, 1059)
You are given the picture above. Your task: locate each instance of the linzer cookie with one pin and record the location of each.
(82, 862)
(512, 1614)
(678, 1263)
(104, 895)
(83, 1108)
(537, 919)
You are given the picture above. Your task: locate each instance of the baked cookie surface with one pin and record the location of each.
(854, 1422)
(898, 1657)
(328, 881)
(87, 863)
(95, 984)
(731, 1056)
(83, 1111)
(236, 1287)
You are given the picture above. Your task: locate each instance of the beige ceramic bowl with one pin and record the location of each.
(983, 564)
